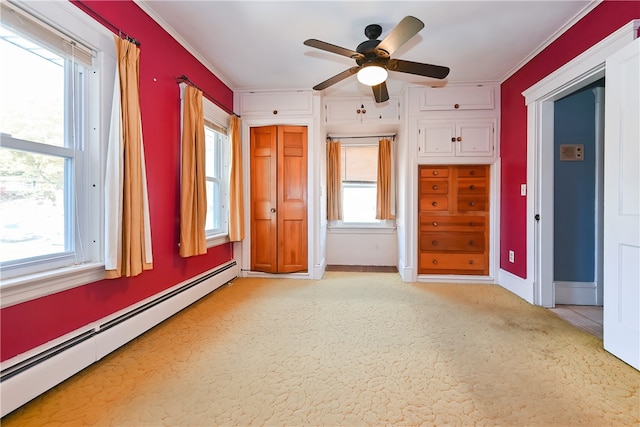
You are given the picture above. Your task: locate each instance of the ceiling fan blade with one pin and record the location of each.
(380, 92)
(318, 44)
(407, 28)
(335, 79)
(418, 68)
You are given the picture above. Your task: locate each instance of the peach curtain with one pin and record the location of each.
(385, 202)
(127, 224)
(334, 182)
(193, 191)
(236, 189)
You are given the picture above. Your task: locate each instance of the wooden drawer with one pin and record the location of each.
(472, 171)
(452, 242)
(472, 203)
(434, 186)
(430, 223)
(472, 186)
(434, 203)
(440, 263)
(434, 171)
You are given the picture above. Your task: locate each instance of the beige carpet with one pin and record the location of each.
(352, 349)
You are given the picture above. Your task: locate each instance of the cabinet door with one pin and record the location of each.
(272, 103)
(386, 112)
(474, 139)
(292, 199)
(264, 247)
(343, 111)
(457, 98)
(436, 139)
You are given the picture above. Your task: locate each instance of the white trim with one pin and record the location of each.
(575, 293)
(577, 73)
(587, 9)
(454, 278)
(517, 285)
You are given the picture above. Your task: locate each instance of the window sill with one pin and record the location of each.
(217, 240)
(361, 229)
(32, 286)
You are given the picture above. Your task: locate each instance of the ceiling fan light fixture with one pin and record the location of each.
(372, 75)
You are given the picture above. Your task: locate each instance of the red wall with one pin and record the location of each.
(32, 323)
(598, 24)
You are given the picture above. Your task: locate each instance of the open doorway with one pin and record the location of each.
(578, 173)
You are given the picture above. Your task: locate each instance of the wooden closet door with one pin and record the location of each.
(292, 199)
(264, 172)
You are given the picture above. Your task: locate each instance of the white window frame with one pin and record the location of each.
(220, 235)
(67, 21)
(374, 226)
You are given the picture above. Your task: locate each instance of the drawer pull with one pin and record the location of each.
(435, 261)
(472, 203)
(434, 204)
(435, 224)
(434, 242)
(472, 187)
(472, 172)
(435, 187)
(471, 243)
(471, 262)
(471, 224)
(435, 172)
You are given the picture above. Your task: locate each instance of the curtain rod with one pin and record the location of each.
(95, 15)
(186, 80)
(331, 137)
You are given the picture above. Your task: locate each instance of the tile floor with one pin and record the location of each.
(585, 317)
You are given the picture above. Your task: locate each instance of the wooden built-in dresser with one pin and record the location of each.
(454, 219)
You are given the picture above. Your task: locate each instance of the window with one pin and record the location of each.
(51, 147)
(42, 155)
(217, 171)
(359, 175)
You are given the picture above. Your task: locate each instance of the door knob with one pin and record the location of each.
(273, 210)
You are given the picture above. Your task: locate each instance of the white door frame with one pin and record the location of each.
(579, 72)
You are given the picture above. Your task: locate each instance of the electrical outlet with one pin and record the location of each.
(512, 256)
(523, 189)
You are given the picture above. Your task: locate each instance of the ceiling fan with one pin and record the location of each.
(374, 58)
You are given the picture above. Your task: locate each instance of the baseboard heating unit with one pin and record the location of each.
(26, 376)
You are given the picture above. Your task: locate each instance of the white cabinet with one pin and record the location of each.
(478, 97)
(469, 138)
(275, 103)
(349, 111)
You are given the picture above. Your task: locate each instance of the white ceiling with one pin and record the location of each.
(258, 45)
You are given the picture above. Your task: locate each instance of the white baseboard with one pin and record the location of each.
(28, 375)
(576, 293)
(517, 285)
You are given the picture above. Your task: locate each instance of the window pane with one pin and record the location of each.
(32, 201)
(359, 202)
(40, 100)
(213, 150)
(360, 163)
(213, 200)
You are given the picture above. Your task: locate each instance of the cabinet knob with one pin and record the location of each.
(471, 243)
(472, 172)
(459, 138)
(456, 105)
(471, 262)
(471, 224)
(472, 187)
(434, 242)
(358, 111)
(434, 203)
(453, 139)
(435, 224)
(275, 111)
(435, 172)
(435, 262)
(364, 111)
(435, 187)
(472, 203)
